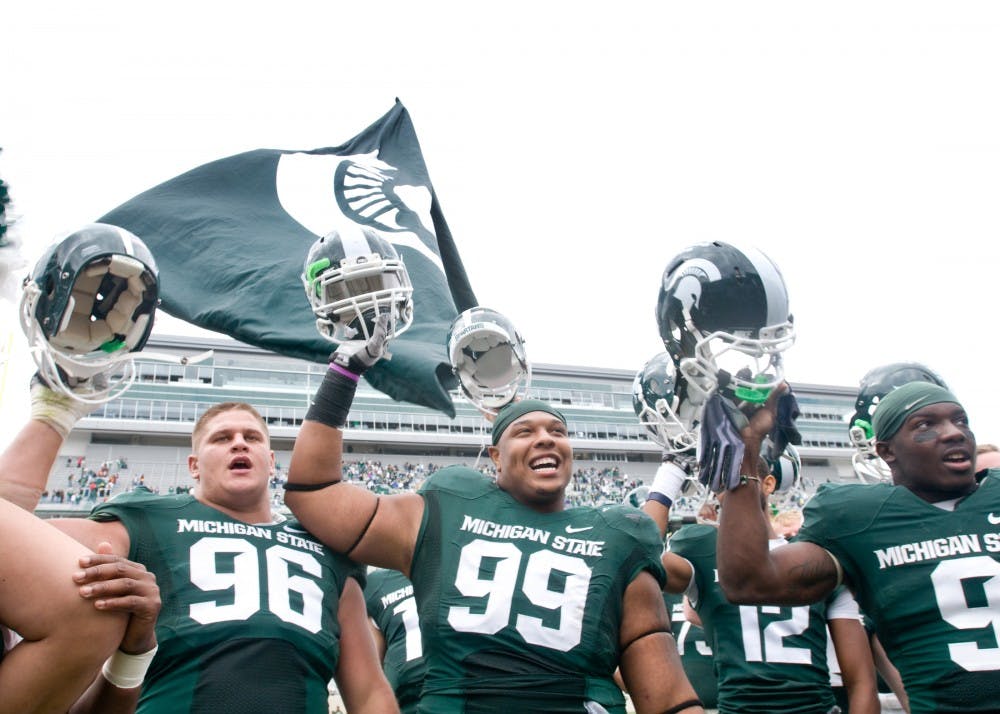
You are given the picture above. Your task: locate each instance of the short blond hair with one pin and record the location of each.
(789, 521)
(216, 409)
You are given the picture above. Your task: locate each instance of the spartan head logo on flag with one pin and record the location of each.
(326, 193)
(230, 238)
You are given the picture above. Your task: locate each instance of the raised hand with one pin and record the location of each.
(357, 356)
(62, 409)
(721, 446)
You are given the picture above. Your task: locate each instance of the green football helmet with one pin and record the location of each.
(723, 316)
(350, 276)
(87, 308)
(656, 403)
(874, 386)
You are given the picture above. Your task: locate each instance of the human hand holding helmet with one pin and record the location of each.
(351, 276)
(357, 356)
(726, 434)
(785, 431)
(59, 410)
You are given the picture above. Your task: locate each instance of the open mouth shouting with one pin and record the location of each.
(240, 464)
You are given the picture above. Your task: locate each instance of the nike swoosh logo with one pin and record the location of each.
(995, 520)
(910, 406)
(294, 530)
(571, 529)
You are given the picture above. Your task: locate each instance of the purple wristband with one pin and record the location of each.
(346, 372)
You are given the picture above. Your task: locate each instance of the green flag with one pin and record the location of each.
(230, 238)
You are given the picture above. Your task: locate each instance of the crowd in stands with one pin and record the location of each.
(590, 486)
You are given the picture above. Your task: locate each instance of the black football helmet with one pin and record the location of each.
(656, 403)
(724, 319)
(352, 275)
(874, 386)
(87, 307)
(488, 357)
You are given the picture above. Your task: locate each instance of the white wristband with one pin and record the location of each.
(127, 671)
(669, 480)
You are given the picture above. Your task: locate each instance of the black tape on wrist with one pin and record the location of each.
(333, 400)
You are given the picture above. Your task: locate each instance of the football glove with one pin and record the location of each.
(721, 448)
(358, 356)
(784, 431)
(62, 410)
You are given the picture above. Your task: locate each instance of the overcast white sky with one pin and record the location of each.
(575, 148)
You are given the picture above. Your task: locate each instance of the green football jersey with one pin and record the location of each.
(521, 610)
(249, 616)
(696, 655)
(768, 659)
(391, 605)
(929, 578)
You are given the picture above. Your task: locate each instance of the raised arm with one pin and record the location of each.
(794, 574)
(378, 530)
(26, 462)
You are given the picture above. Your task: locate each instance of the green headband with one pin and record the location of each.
(900, 403)
(516, 410)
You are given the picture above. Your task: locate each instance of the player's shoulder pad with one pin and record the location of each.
(632, 521)
(458, 480)
(140, 499)
(694, 539)
(844, 508)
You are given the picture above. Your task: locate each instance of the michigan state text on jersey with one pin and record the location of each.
(520, 606)
(919, 555)
(242, 603)
(517, 596)
(927, 577)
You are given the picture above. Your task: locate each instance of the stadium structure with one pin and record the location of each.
(145, 434)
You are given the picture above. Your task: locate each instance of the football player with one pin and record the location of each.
(248, 597)
(523, 605)
(392, 610)
(872, 389)
(920, 554)
(768, 658)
